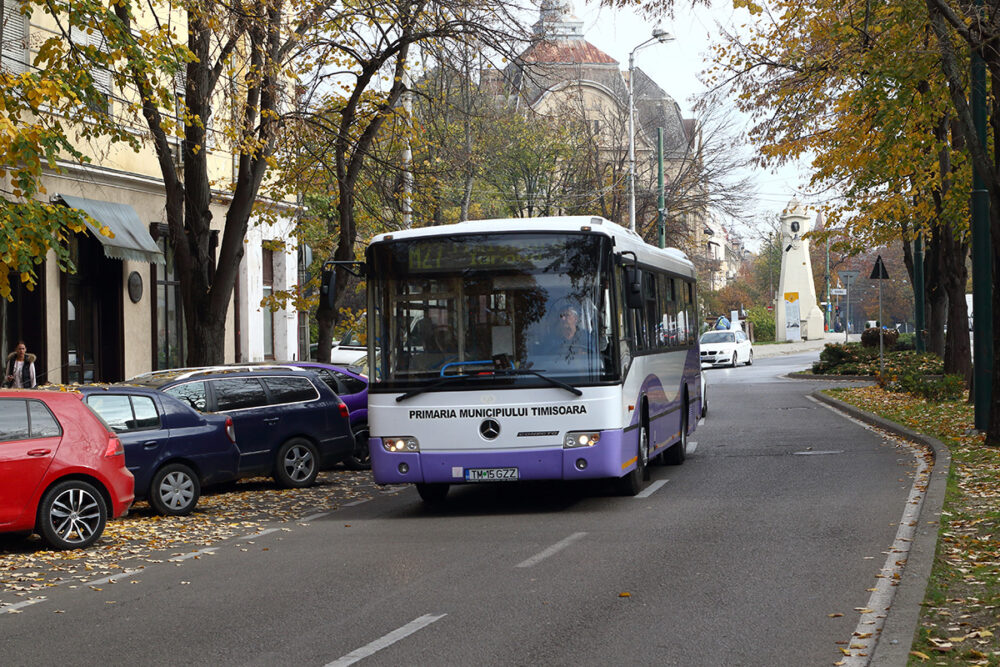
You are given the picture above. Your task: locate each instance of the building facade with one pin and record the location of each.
(119, 314)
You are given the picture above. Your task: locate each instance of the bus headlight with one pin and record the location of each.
(406, 443)
(575, 439)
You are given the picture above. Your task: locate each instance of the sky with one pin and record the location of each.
(675, 67)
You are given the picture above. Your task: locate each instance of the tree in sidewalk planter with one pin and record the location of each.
(198, 76)
(962, 28)
(367, 71)
(880, 126)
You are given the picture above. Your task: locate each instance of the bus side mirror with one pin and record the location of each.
(328, 282)
(633, 288)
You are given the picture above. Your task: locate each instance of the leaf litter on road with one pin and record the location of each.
(143, 538)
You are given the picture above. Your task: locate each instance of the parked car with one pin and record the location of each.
(291, 424)
(62, 470)
(352, 387)
(172, 450)
(722, 348)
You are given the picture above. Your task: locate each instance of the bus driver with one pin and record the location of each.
(566, 339)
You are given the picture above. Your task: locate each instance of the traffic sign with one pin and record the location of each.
(838, 291)
(849, 276)
(878, 271)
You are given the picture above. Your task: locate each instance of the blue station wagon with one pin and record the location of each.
(352, 388)
(171, 450)
(290, 423)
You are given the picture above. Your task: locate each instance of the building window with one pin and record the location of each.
(171, 336)
(14, 42)
(267, 270)
(101, 76)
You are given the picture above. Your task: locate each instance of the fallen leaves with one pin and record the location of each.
(961, 614)
(142, 537)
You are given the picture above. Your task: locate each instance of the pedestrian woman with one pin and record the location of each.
(20, 368)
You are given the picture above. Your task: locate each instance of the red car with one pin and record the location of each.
(62, 471)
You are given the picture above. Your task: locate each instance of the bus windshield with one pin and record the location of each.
(464, 305)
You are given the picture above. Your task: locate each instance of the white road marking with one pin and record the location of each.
(252, 536)
(652, 488)
(554, 549)
(692, 446)
(312, 518)
(879, 602)
(387, 640)
(200, 552)
(818, 452)
(113, 578)
(13, 608)
(701, 422)
(356, 502)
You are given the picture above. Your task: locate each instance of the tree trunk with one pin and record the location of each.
(954, 276)
(934, 295)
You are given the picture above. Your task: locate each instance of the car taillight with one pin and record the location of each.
(230, 429)
(344, 412)
(114, 447)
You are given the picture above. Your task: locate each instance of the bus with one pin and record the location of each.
(559, 348)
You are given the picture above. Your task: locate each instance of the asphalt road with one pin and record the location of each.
(778, 520)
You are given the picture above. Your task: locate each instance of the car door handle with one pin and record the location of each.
(150, 444)
(39, 452)
(271, 420)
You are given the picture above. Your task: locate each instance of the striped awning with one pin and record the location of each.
(131, 239)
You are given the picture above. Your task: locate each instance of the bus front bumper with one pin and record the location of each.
(613, 456)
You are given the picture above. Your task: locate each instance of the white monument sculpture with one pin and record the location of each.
(796, 314)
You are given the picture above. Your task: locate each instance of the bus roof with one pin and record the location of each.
(625, 239)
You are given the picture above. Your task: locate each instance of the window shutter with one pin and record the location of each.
(14, 54)
(102, 77)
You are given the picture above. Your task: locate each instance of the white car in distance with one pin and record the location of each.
(725, 348)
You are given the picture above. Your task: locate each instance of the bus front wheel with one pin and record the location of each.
(632, 483)
(432, 494)
(676, 453)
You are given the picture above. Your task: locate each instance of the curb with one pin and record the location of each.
(893, 647)
(804, 375)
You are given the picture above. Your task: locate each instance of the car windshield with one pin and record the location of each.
(718, 337)
(473, 303)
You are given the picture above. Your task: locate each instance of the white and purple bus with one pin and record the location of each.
(561, 348)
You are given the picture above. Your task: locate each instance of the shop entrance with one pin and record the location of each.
(93, 348)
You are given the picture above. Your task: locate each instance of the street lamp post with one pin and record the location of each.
(662, 37)
(848, 277)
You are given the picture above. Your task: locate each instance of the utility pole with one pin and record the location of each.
(661, 222)
(982, 279)
(848, 277)
(829, 306)
(918, 291)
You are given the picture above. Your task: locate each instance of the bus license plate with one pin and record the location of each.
(490, 474)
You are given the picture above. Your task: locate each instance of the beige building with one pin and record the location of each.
(119, 315)
(562, 74)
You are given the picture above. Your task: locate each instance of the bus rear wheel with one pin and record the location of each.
(432, 494)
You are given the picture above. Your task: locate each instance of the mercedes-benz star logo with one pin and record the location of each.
(489, 429)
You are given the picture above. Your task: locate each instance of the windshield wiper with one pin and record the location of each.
(432, 386)
(527, 371)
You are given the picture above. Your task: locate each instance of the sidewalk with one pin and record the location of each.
(797, 347)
